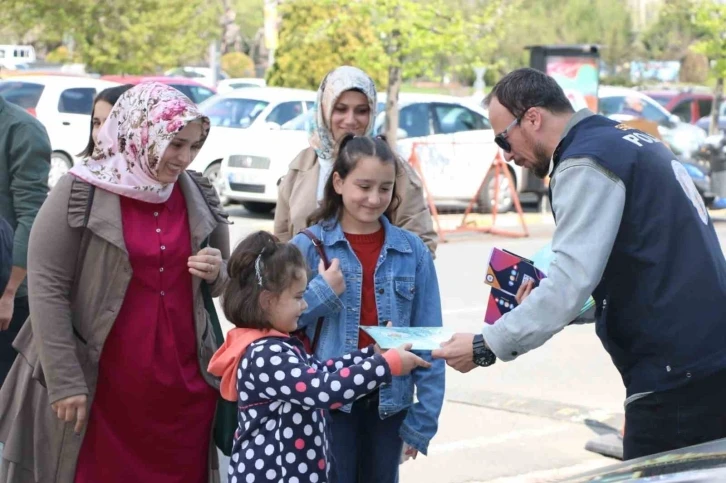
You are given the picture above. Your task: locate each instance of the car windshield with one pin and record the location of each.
(23, 94)
(232, 112)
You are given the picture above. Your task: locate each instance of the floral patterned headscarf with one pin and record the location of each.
(133, 139)
(338, 81)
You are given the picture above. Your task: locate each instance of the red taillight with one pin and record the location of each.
(31, 111)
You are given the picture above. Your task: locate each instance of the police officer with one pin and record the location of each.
(633, 232)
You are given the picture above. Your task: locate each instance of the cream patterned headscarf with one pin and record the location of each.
(133, 139)
(338, 81)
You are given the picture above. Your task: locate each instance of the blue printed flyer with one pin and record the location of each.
(422, 338)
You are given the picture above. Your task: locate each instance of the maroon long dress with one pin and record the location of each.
(152, 414)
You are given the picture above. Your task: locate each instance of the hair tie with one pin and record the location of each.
(258, 268)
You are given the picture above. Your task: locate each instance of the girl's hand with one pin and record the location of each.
(408, 452)
(409, 360)
(72, 409)
(333, 276)
(206, 264)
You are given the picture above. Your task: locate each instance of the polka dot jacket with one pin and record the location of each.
(284, 397)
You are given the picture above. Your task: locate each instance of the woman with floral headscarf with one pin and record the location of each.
(111, 383)
(346, 103)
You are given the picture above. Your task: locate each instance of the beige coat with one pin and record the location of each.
(297, 199)
(77, 281)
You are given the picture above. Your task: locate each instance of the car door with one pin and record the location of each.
(70, 127)
(469, 150)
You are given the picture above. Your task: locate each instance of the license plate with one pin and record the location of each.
(245, 178)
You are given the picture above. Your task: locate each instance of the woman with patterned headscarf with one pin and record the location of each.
(111, 382)
(346, 103)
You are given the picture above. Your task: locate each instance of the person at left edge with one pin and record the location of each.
(112, 385)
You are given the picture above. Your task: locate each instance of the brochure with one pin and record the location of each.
(422, 338)
(507, 271)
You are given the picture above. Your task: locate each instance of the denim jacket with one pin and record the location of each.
(407, 294)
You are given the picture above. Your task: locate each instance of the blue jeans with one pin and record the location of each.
(673, 419)
(365, 448)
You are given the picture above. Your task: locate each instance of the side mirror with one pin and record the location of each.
(674, 119)
(401, 133)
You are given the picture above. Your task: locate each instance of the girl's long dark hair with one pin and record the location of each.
(350, 149)
(109, 95)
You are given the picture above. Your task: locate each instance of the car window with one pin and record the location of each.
(415, 120)
(452, 119)
(704, 107)
(231, 112)
(299, 123)
(196, 93)
(78, 100)
(23, 94)
(683, 110)
(285, 112)
(634, 106)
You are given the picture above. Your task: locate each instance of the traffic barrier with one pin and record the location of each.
(467, 224)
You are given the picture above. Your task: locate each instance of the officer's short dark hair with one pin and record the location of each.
(525, 88)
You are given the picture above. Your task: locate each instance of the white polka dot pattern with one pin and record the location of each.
(283, 394)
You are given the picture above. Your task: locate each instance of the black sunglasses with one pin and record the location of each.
(501, 138)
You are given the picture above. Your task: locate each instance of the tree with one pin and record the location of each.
(318, 35)
(144, 36)
(114, 37)
(414, 34)
(710, 19)
(674, 31)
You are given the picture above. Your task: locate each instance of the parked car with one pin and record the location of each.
(233, 114)
(200, 74)
(694, 464)
(64, 105)
(227, 85)
(455, 162)
(257, 107)
(688, 105)
(705, 122)
(192, 89)
(624, 104)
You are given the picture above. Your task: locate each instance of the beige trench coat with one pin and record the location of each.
(297, 199)
(75, 296)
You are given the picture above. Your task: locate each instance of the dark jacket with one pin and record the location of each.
(24, 165)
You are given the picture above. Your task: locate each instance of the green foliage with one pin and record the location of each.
(710, 18)
(61, 55)
(114, 37)
(237, 64)
(318, 35)
(671, 35)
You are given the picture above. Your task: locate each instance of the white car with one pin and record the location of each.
(457, 158)
(623, 104)
(227, 85)
(253, 109)
(64, 105)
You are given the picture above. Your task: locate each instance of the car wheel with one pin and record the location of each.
(505, 201)
(258, 207)
(60, 164)
(214, 174)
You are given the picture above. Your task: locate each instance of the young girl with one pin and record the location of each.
(283, 393)
(385, 274)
